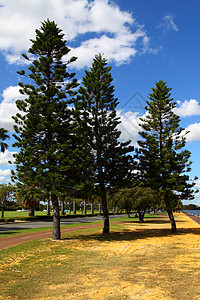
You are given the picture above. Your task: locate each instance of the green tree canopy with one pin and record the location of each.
(97, 104)
(45, 130)
(163, 161)
(137, 198)
(6, 195)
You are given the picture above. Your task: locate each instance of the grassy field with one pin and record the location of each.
(25, 231)
(12, 214)
(137, 261)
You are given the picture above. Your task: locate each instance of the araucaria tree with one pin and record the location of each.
(97, 104)
(45, 131)
(163, 162)
(3, 136)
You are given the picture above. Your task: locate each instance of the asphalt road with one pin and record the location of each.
(40, 224)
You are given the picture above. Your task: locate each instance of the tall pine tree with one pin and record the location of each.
(45, 131)
(163, 162)
(97, 104)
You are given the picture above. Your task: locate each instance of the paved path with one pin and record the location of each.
(40, 224)
(194, 218)
(20, 239)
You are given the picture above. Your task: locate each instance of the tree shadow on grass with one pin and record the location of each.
(8, 232)
(8, 229)
(147, 221)
(130, 235)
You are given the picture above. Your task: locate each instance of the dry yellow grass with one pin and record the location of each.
(139, 262)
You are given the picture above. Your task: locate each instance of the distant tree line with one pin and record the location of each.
(190, 207)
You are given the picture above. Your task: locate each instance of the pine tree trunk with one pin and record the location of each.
(62, 208)
(31, 212)
(56, 218)
(106, 227)
(141, 216)
(48, 205)
(170, 214)
(2, 212)
(85, 208)
(74, 206)
(172, 220)
(92, 207)
(99, 208)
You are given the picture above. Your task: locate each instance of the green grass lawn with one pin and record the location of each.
(12, 214)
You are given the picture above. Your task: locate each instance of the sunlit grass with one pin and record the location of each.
(136, 261)
(13, 214)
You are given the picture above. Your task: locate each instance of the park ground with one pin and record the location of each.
(136, 261)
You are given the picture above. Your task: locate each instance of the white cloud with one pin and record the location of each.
(5, 157)
(197, 185)
(8, 107)
(5, 175)
(5, 172)
(118, 50)
(194, 132)
(11, 94)
(168, 23)
(3, 179)
(115, 32)
(188, 108)
(129, 126)
(147, 48)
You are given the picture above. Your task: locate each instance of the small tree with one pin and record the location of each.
(46, 133)
(144, 198)
(28, 198)
(6, 195)
(162, 160)
(138, 198)
(123, 199)
(179, 206)
(97, 105)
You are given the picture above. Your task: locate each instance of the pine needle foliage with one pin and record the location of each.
(45, 130)
(163, 161)
(96, 101)
(3, 137)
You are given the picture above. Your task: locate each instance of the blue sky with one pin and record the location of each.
(144, 41)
